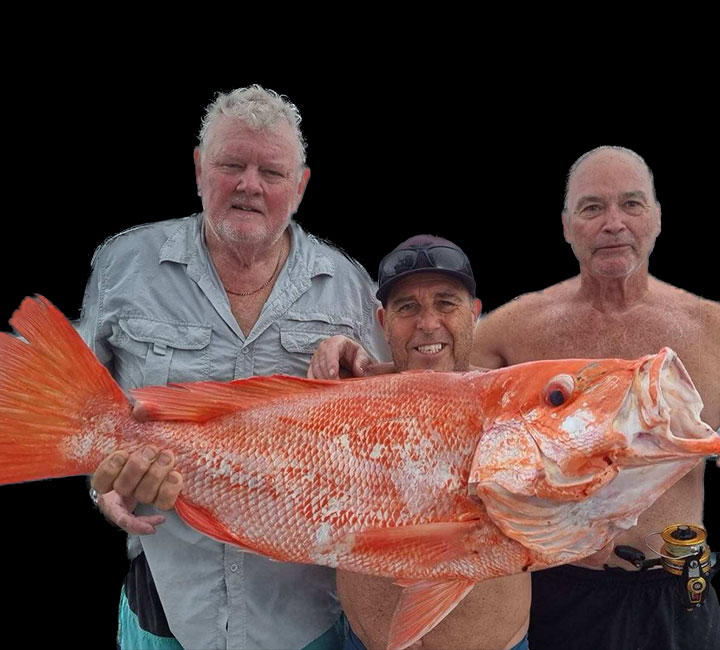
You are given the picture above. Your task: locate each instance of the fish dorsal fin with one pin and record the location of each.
(423, 604)
(201, 520)
(203, 400)
(434, 542)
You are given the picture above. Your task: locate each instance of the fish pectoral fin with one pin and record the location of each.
(203, 400)
(201, 520)
(423, 604)
(430, 543)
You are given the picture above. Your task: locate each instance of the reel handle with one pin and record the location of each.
(636, 557)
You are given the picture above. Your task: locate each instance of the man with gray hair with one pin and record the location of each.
(234, 291)
(615, 308)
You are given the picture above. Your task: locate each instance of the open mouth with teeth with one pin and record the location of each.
(433, 348)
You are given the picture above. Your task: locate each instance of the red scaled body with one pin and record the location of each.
(335, 459)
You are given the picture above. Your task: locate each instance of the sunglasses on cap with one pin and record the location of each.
(425, 257)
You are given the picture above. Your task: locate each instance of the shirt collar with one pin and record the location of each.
(308, 254)
(187, 241)
(184, 241)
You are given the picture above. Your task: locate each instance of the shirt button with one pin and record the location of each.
(245, 350)
(233, 567)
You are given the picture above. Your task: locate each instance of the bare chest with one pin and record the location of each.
(580, 332)
(587, 333)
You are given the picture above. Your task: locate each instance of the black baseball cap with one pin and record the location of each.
(420, 254)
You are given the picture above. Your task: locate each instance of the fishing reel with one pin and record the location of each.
(683, 554)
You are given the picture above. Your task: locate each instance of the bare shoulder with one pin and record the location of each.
(694, 323)
(505, 328)
(700, 312)
(707, 315)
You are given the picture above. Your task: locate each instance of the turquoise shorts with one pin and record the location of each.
(132, 637)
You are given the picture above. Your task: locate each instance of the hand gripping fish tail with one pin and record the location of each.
(61, 412)
(436, 479)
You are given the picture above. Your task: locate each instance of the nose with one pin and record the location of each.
(249, 181)
(428, 320)
(614, 219)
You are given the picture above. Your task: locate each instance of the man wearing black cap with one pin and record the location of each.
(428, 313)
(424, 259)
(428, 294)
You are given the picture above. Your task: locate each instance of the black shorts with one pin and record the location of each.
(579, 609)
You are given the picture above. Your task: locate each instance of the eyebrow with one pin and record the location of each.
(590, 198)
(637, 194)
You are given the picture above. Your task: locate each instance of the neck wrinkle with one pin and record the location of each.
(608, 294)
(246, 263)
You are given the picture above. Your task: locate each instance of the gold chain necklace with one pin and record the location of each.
(250, 293)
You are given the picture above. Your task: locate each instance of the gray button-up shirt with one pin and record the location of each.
(155, 312)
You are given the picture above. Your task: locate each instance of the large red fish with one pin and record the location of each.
(438, 480)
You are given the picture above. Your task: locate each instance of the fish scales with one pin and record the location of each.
(437, 480)
(305, 463)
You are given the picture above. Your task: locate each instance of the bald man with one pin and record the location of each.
(615, 308)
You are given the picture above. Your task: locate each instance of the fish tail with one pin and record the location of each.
(60, 410)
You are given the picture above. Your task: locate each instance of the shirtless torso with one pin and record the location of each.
(614, 308)
(556, 323)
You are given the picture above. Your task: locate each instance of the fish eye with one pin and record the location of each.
(558, 390)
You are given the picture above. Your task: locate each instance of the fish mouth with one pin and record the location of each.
(660, 415)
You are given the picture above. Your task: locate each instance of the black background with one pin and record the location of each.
(391, 154)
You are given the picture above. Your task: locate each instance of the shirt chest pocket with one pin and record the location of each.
(299, 338)
(152, 353)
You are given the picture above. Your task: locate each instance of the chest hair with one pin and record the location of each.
(585, 332)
